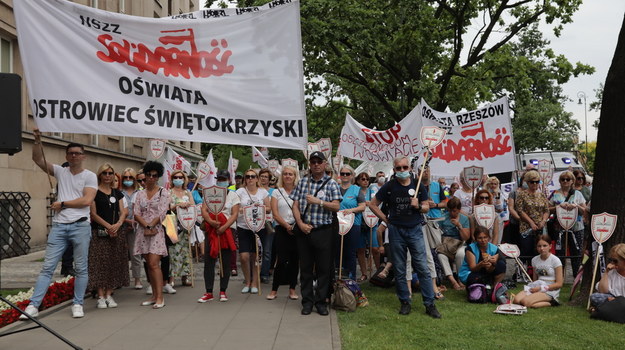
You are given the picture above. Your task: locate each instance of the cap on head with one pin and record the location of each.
(223, 174)
(317, 154)
(238, 174)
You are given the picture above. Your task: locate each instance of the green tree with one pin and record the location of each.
(384, 56)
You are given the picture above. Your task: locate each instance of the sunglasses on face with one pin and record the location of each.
(128, 178)
(107, 173)
(484, 198)
(580, 178)
(177, 177)
(153, 175)
(346, 174)
(533, 182)
(402, 168)
(140, 180)
(566, 180)
(364, 179)
(250, 176)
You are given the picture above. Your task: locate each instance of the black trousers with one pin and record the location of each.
(287, 259)
(315, 251)
(209, 268)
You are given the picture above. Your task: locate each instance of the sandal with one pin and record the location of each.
(383, 274)
(362, 278)
(439, 296)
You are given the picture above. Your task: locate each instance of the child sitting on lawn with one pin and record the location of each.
(612, 283)
(548, 278)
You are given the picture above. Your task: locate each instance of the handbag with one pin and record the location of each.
(343, 298)
(449, 246)
(434, 233)
(171, 229)
(100, 232)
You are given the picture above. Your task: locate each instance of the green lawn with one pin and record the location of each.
(472, 326)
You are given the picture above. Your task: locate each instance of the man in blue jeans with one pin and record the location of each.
(404, 222)
(70, 225)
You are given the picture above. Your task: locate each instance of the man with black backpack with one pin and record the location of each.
(404, 222)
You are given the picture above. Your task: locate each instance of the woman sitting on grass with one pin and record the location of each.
(612, 283)
(481, 261)
(548, 278)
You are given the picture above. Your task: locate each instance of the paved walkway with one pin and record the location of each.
(244, 322)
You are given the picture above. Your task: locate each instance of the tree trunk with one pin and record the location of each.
(607, 194)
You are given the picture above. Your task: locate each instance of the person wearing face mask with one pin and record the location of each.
(129, 190)
(404, 222)
(179, 252)
(223, 177)
(219, 238)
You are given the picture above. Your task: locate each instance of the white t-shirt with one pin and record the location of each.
(616, 283)
(284, 205)
(466, 200)
(546, 271)
(246, 199)
(71, 187)
(231, 200)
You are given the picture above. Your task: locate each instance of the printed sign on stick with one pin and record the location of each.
(215, 198)
(473, 176)
(566, 218)
(346, 221)
(187, 216)
(255, 217)
(157, 147)
(602, 226)
(485, 215)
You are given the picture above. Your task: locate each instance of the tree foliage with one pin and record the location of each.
(384, 56)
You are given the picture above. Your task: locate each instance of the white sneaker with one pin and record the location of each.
(31, 310)
(77, 311)
(111, 302)
(102, 303)
(169, 289)
(148, 291)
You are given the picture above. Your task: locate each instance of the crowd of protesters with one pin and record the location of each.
(115, 223)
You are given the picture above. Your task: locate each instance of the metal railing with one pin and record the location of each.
(14, 224)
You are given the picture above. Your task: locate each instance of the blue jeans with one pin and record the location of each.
(78, 234)
(411, 238)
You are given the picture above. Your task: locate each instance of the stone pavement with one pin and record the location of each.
(244, 322)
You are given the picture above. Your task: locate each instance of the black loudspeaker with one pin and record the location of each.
(10, 113)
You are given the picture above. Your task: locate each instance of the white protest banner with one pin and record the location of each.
(346, 221)
(566, 218)
(485, 215)
(482, 136)
(602, 226)
(187, 216)
(360, 142)
(255, 217)
(370, 218)
(233, 164)
(174, 161)
(231, 77)
(325, 146)
(259, 158)
(273, 165)
(157, 147)
(473, 176)
(215, 198)
(290, 162)
(210, 178)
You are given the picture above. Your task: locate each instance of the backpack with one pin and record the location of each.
(500, 294)
(476, 293)
(354, 287)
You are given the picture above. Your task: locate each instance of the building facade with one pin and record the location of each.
(24, 188)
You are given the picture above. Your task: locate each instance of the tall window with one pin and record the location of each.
(6, 54)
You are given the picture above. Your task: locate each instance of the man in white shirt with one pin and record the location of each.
(70, 225)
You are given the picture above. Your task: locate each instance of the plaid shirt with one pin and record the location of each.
(316, 215)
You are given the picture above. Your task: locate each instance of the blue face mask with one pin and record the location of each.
(402, 174)
(178, 182)
(222, 183)
(128, 183)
